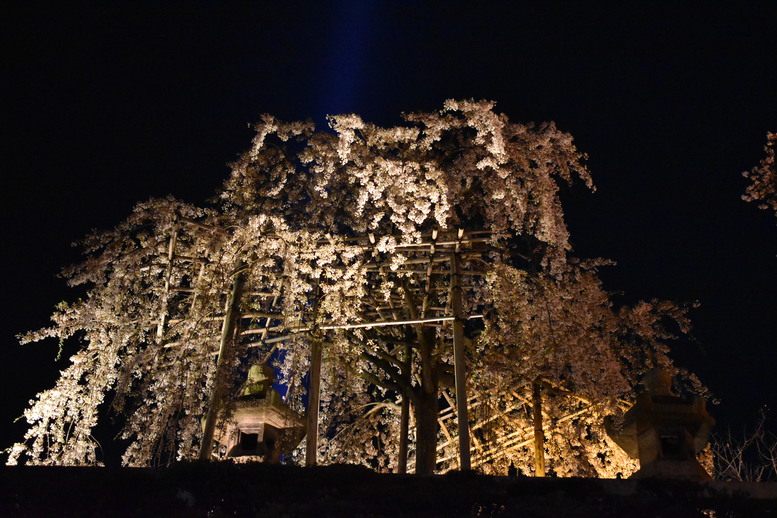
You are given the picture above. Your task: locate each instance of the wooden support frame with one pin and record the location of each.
(431, 262)
(520, 437)
(265, 325)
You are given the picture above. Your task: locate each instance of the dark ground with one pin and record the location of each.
(219, 490)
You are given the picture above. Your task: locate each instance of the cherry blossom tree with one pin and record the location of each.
(367, 248)
(464, 167)
(763, 178)
(578, 359)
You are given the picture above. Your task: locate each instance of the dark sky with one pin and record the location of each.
(106, 106)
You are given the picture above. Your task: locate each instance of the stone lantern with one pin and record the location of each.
(261, 425)
(664, 431)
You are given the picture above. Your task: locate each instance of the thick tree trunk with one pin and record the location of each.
(314, 402)
(462, 415)
(426, 433)
(231, 319)
(539, 434)
(404, 425)
(314, 391)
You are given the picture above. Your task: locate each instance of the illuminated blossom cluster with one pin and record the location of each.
(763, 178)
(339, 227)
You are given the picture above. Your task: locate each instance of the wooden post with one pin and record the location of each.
(458, 364)
(160, 329)
(222, 364)
(539, 434)
(314, 400)
(404, 425)
(314, 386)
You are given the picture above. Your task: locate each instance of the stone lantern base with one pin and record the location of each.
(261, 428)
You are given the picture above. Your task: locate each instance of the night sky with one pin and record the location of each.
(105, 107)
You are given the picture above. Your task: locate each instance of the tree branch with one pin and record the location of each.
(401, 383)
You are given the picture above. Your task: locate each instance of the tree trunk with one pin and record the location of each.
(231, 319)
(426, 413)
(314, 401)
(539, 434)
(462, 415)
(404, 425)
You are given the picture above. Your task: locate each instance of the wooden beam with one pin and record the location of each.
(380, 323)
(515, 440)
(193, 305)
(160, 330)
